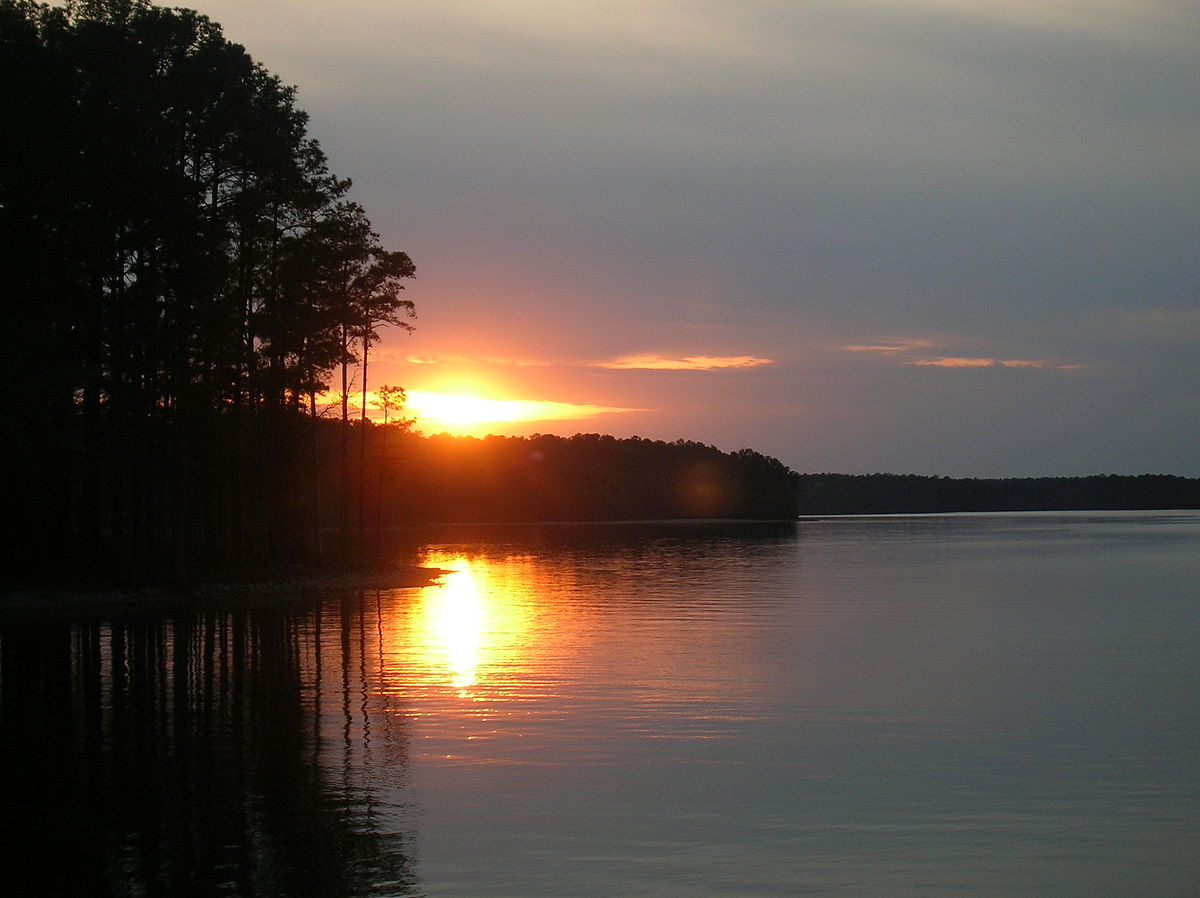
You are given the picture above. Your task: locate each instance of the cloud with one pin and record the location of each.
(888, 346)
(905, 348)
(683, 363)
(472, 360)
(961, 362)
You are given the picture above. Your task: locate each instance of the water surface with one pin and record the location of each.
(934, 705)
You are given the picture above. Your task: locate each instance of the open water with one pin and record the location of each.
(923, 706)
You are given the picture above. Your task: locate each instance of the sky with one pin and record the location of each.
(953, 237)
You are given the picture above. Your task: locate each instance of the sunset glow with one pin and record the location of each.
(455, 623)
(471, 625)
(465, 413)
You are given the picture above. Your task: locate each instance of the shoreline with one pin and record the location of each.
(33, 601)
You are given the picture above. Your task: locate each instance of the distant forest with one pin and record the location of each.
(593, 477)
(833, 494)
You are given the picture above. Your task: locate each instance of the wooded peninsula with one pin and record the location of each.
(185, 285)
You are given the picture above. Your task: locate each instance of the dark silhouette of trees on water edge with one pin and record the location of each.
(836, 494)
(183, 276)
(586, 477)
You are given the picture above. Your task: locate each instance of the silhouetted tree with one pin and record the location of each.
(181, 272)
(390, 399)
(378, 303)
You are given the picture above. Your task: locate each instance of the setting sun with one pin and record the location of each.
(465, 413)
(460, 409)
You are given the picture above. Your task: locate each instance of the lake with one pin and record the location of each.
(897, 706)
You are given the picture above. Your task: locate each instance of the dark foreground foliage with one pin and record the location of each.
(180, 276)
(822, 494)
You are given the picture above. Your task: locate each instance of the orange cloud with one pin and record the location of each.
(956, 362)
(684, 363)
(435, 360)
(472, 360)
(959, 362)
(889, 346)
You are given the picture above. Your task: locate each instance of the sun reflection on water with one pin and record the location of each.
(470, 627)
(456, 623)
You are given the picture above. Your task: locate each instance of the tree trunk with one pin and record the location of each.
(362, 441)
(315, 477)
(344, 461)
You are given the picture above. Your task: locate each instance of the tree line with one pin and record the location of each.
(183, 276)
(829, 494)
(586, 477)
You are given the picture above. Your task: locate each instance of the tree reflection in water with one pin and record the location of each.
(234, 752)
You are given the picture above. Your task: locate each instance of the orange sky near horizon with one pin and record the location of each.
(478, 395)
(473, 413)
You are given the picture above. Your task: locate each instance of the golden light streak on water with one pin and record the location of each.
(455, 624)
(471, 628)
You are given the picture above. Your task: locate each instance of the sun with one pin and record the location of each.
(468, 414)
(463, 410)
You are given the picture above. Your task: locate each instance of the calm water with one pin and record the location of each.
(943, 705)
